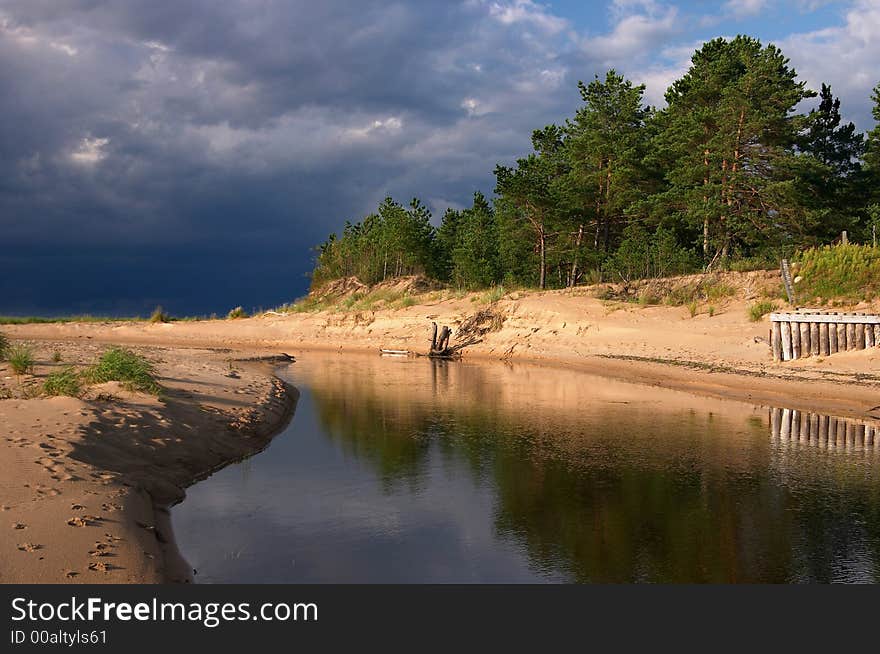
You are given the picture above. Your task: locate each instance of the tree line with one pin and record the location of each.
(728, 174)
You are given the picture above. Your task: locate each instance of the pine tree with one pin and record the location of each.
(727, 141)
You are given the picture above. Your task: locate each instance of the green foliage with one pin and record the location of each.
(4, 346)
(63, 382)
(21, 359)
(56, 356)
(159, 315)
(394, 241)
(643, 255)
(123, 365)
(760, 309)
(472, 239)
(236, 313)
(841, 271)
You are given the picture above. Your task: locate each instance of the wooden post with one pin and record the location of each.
(824, 346)
(869, 436)
(785, 331)
(869, 336)
(775, 422)
(806, 345)
(860, 336)
(877, 335)
(814, 339)
(850, 337)
(814, 428)
(841, 337)
(776, 341)
(795, 341)
(832, 339)
(832, 431)
(860, 436)
(805, 428)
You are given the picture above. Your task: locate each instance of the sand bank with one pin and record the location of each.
(87, 483)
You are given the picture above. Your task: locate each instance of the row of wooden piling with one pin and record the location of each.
(791, 425)
(797, 336)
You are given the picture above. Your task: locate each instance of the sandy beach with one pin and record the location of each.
(90, 479)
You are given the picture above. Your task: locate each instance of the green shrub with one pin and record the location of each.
(21, 359)
(125, 366)
(693, 308)
(159, 315)
(759, 309)
(63, 382)
(4, 346)
(236, 313)
(56, 356)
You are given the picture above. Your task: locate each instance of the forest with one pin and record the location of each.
(731, 174)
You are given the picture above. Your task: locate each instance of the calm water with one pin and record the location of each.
(413, 471)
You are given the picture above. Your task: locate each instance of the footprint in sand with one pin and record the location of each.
(101, 549)
(100, 566)
(77, 507)
(18, 525)
(77, 521)
(29, 547)
(70, 574)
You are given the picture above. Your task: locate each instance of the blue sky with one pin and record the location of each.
(189, 153)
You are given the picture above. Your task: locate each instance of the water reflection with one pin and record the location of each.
(436, 471)
(825, 432)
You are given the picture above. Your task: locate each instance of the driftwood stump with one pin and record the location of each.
(440, 348)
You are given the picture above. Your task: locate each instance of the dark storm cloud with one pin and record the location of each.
(190, 153)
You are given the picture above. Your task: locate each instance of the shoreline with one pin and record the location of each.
(847, 393)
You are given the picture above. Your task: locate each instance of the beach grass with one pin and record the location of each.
(236, 314)
(760, 309)
(4, 345)
(63, 382)
(21, 359)
(122, 365)
(843, 272)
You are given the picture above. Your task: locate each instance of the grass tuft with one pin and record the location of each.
(159, 315)
(125, 366)
(236, 314)
(4, 346)
(63, 382)
(21, 359)
(759, 309)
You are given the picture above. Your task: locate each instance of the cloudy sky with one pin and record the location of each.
(191, 152)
